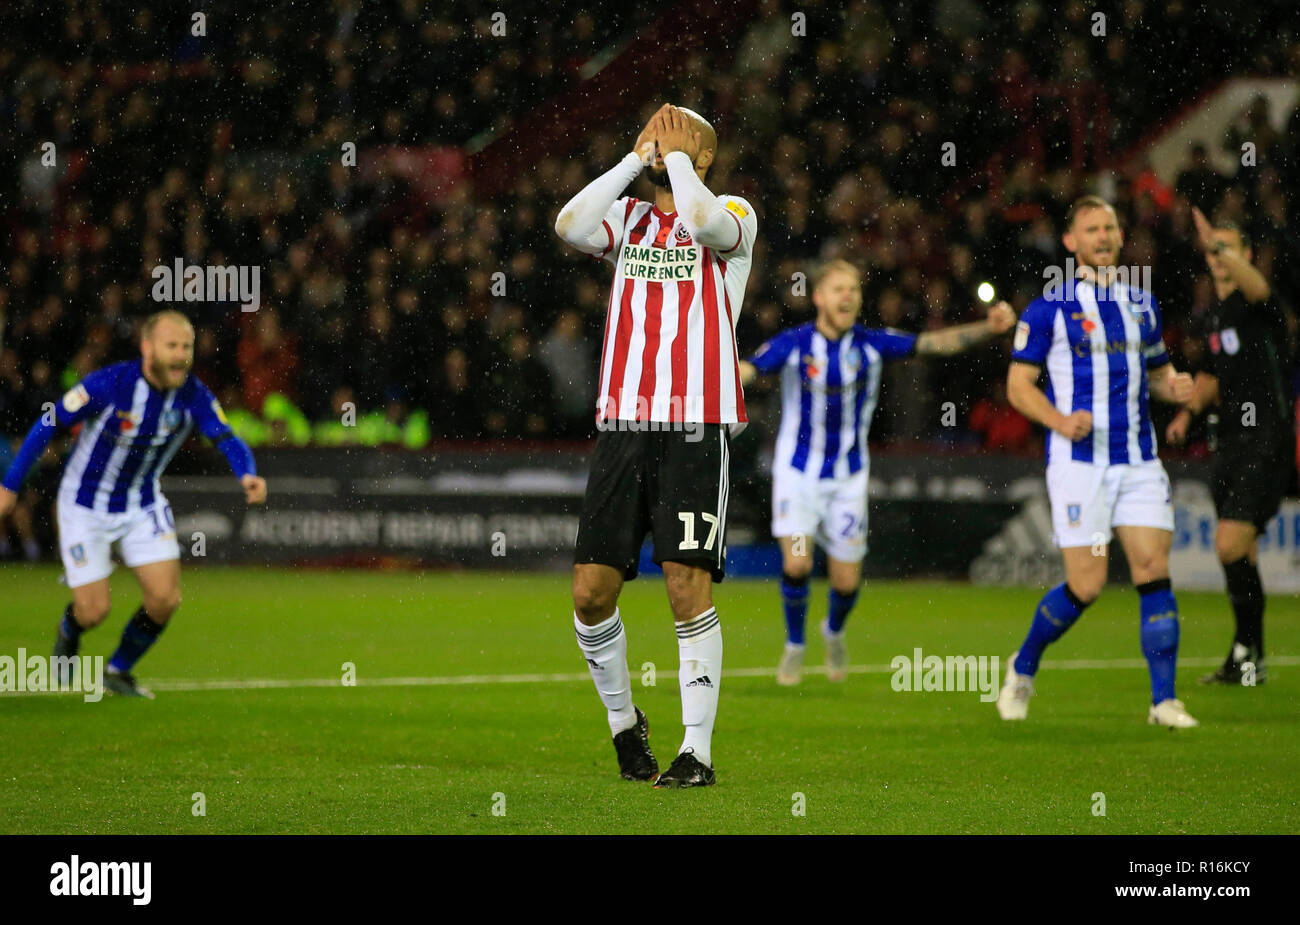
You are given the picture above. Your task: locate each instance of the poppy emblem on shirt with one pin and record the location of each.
(1214, 342)
(1089, 326)
(126, 422)
(810, 368)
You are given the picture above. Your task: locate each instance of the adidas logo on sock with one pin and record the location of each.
(701, 682)
(594, 664)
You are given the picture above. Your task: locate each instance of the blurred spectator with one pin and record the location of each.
(567, 357)
(268, 359)
(378, 286)
(1001, 427)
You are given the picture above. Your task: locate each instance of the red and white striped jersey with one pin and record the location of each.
(670, 332)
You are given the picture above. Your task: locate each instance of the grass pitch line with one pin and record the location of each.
(244, 684)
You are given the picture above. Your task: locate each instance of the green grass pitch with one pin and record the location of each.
(437, 752)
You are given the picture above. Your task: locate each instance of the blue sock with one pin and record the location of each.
(1056, 613)
(794, 598)
(838, 611)
(69, 627)
(1159, 635)
(140, 633)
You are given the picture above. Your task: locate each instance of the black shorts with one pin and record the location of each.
(670, 484)
(1250, 479)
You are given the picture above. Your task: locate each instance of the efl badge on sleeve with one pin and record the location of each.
(737, 208)
(75, 399)
(1022, 335)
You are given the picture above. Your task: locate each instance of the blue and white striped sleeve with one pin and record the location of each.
(87, 397)
(768, 358)
(1153, 341)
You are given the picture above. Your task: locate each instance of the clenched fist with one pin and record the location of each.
(1001, 318)
(254, 489)
(1076, 426)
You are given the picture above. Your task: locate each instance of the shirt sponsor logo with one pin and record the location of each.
(1092, 345)
(655, 264)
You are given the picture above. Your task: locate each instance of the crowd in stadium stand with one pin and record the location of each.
(224, 150)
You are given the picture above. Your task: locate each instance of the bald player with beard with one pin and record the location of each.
(670, 400)
(133, 417)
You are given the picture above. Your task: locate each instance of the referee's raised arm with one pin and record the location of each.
(1226, 248)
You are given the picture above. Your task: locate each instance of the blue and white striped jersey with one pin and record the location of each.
(1097, 347)
(829, 390)
(130, 432)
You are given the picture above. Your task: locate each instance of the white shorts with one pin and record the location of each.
(1087, 500)
(86, 539)
(832, 511)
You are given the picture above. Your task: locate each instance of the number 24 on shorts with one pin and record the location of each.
(688, 537)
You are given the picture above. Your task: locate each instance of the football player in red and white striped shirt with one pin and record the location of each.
(670, 398)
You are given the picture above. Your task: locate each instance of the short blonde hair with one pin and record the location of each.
(1083, 204)
(146, 330)
(823, 270)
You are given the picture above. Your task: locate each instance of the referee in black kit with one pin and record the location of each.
(1246, 332)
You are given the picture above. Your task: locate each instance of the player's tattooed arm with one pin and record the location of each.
(1224, 246)
(961, 337)
(1027, 398)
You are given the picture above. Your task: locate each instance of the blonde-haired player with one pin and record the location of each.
(134, 416)
(830, 381)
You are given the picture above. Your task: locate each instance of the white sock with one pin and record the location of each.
(699, 646)
(604, 646)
